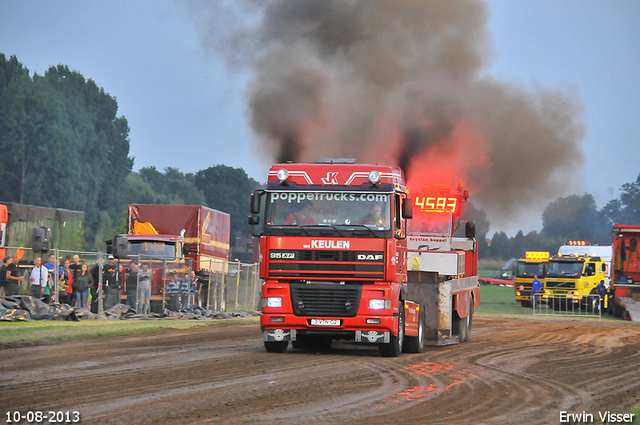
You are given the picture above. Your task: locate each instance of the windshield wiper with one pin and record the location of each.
(333, 226)
(368, 227)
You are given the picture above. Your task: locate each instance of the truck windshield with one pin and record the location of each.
(530, 269)
(152, 250)
(372, 210)
(564, 269)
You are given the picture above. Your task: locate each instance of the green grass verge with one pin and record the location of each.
(52, 330)
(500, 300)
(636, 412)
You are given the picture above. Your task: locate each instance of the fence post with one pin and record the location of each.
(100, 283)
(237, 283)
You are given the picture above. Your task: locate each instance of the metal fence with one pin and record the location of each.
(587, 306)
(147, 285)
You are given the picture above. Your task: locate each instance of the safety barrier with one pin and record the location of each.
(147, 285)
(587, 306)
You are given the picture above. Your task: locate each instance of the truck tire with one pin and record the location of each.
(415, 344)
(459, 326)
(394, 347)
(467, 337)
(276, 346)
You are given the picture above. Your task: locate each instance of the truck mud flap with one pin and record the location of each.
(278, 335)
(373, 337)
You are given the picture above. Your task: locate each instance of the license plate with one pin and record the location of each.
(325, 322)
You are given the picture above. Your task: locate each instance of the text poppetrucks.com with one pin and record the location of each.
(605, 417)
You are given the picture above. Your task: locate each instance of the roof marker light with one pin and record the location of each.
(282, 175)
(374, 176)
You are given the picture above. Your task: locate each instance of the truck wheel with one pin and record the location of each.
(276, 346)
(415, 344)
(394, 347)
(459, 326)
(467, 337)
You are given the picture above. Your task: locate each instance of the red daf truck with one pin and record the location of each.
(176, 237)
(624, 290)
(340, 260)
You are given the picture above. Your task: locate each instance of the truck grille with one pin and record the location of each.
(567, 285)
(326, 265)
(327, 300)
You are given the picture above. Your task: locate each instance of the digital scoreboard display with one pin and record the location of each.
(437, 204)
(435, 213)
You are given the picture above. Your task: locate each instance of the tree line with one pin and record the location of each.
(62, 145)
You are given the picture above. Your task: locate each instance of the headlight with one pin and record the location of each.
(274, 302)
(282, 175)
(379, 304)
(374, 176)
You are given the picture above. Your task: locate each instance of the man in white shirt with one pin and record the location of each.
(39, 276)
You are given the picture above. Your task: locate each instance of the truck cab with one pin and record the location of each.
(333, 251)
(334, 257)
(572, 276)
(534, 263)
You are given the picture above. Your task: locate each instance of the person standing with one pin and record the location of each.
(195, 288)
(65, 288)
(601, 290)
(13, 276)
(131, 285)
(50, 290)
(39, 279)
(75, 267)
(110, 278)
(174, 294)
(144, 289)
(82, 284)
(3, 276)
(184, 292)
(536, 287)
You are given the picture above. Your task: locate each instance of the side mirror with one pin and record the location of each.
(470, 229)
(254, 219)
(120, 247)
(255, 201)
(407, 208)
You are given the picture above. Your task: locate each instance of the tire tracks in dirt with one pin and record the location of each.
(527, 370)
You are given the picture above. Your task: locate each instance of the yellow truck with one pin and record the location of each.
(533, 264)
(572, 277)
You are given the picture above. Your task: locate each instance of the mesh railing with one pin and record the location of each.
(588, 306)
(146, 284)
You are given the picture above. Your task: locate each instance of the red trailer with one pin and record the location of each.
(175, 238)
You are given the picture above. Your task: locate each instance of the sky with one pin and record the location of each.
(186, 109)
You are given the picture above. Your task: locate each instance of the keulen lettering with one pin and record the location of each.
(329, 244)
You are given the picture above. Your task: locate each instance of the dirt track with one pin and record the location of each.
(513, 371)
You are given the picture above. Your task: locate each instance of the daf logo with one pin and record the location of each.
(369, 257)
